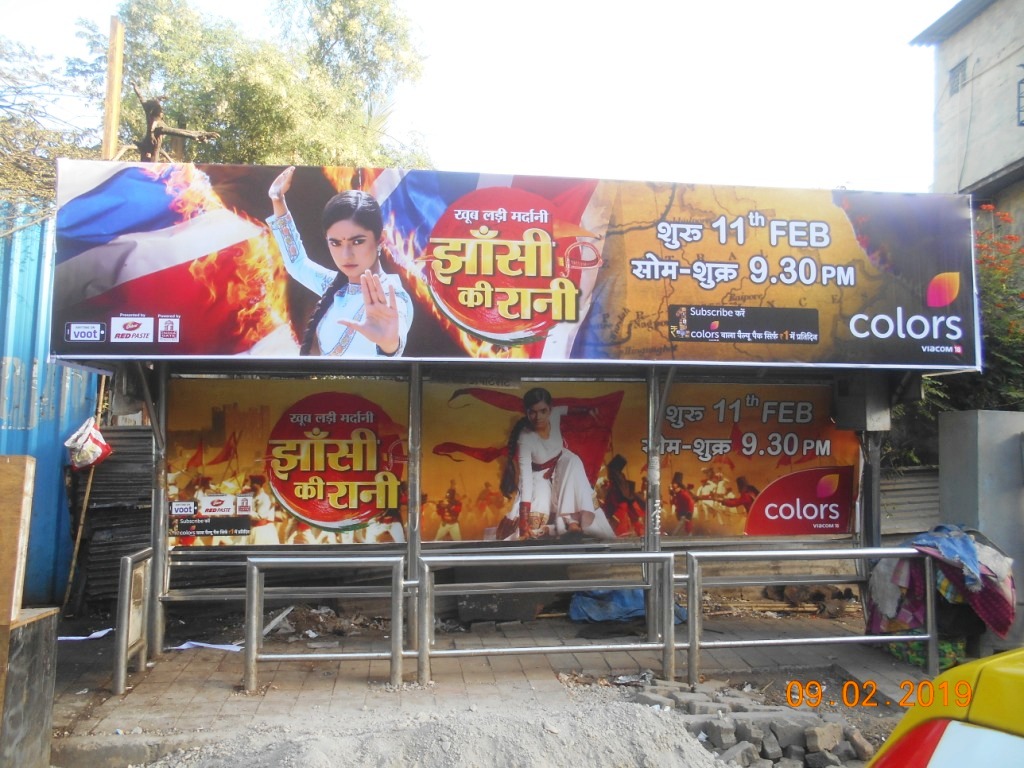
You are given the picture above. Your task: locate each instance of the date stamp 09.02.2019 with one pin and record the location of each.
(853, 693)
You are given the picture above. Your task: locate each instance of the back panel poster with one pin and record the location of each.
(286, 462)
(183, 261)
(553, 462)
(756, 460)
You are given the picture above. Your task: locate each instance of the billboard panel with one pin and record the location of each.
(182, 261)
(325, 461)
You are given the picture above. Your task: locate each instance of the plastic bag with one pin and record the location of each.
(87, 446)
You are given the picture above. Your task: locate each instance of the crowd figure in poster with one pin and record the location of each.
(363, 311)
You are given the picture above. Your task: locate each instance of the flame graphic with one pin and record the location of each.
(249, 278)
(342, 177)
(188, 187)
(827, 485)
(943, 289)
(403, 252)
(713, 326)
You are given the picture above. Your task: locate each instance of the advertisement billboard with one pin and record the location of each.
(324, 461)
(181, 261)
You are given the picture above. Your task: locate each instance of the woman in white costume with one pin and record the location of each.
(550, 481)
(363, 312)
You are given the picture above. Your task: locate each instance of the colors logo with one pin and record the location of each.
(818, 500)
(942, 291)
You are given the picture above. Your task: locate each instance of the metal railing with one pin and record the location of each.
(697, 583)
(663, 588)
(133, 598)
(255, 593)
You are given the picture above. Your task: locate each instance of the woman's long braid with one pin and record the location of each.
(510, 475)
(309, 335)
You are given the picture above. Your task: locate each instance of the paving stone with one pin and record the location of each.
(822, 759)
(722, 732)
(789, 731)
(844, 751)
(675, 685)
(705, 707)
(654, 700)
(747, 731)
(743, 753)
(711, 687)
(683, 697)
(865, 749)
(736, 703)
(789, 763)
(795, 752)
(822, 737)
(770, 746)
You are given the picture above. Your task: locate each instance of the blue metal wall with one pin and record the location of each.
(41, 403)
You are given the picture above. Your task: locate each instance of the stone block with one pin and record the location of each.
(822, 737)
(743, 754)
(770, 748)
(722, 732)
(865, 749)
(746, 731)
(649, 699)
(822, 759)
(789, 732)
(794, 752)
(705, 708)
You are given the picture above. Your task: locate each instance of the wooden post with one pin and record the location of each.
(112, 102)
(17, 480)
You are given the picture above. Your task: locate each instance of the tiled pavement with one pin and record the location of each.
(183, 688)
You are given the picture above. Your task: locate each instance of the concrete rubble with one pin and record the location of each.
(743, 730)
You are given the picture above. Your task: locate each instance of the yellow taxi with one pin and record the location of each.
(971, 712)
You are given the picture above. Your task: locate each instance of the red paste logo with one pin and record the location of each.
(812, 501)
(496, 269)
(332, 460)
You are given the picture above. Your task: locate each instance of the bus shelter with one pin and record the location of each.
(458, 365)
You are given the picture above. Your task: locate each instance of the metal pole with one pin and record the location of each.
(397, 596)
(413, 477)
(652, 541)
(426, 613)
(693, 621)
(873, 489)
(252, 626)
(929, 617)
(668, 657)
(160, 576)
(124, 601)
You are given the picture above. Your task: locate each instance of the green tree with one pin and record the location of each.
(999, 266)
(32, 135)
(362, 42)
(271, 103)
(999, 261)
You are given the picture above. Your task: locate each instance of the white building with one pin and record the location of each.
(979, 102)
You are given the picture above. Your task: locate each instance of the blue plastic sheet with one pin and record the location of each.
(613, 605)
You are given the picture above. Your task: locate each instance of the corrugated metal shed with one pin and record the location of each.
(910, 503)
(118, 521)
(41, 404)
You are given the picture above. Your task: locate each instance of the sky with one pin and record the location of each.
(791, 93)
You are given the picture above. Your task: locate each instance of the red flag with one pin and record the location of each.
(480, 454)
(229, 451)
(196, 461)
(736, 439)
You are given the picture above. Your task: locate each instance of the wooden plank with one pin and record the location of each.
(17, 475)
